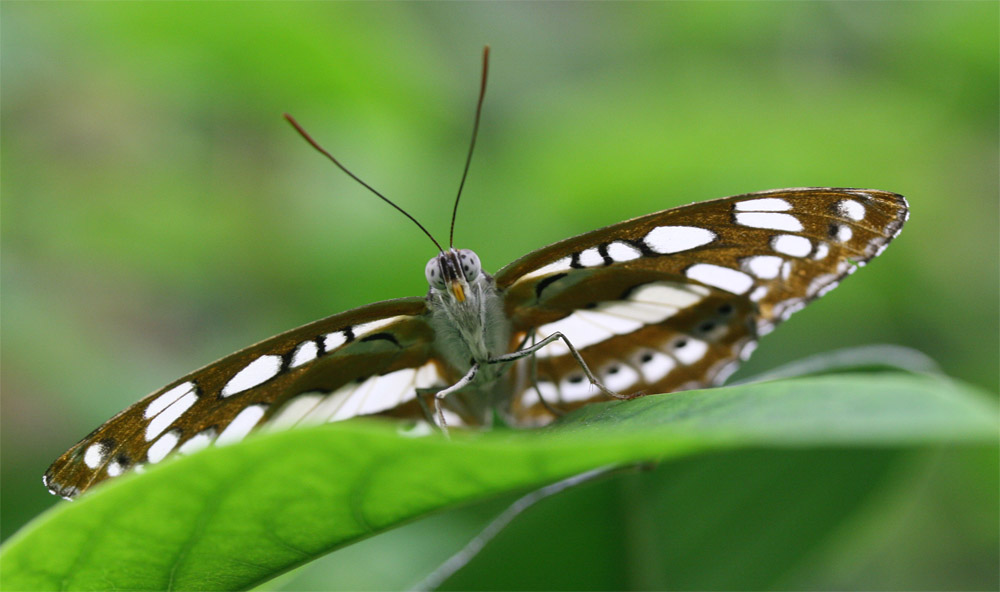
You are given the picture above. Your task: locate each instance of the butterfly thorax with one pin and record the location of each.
(466, 312)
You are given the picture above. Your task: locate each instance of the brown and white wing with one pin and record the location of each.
(365, 361)
(675, 299)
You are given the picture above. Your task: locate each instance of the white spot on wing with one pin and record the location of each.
(164, 400)
(590, 258)
(844, 233)
(691, 352)
(758, 293)
(769, 221)
(712, 330)
(721, 374)
(790, 307)
(613, 323)
(352, 406)
(822, 250)
(365, 328)
(643, 312)
(305, 352)
(330, 405)
(666, 294)
(674, 239)
(115, 468)
(820, 283)
(791, 245)
(530, 398)
(546, 391)
(720, 277)
(170, 415)
(647, 304)
(162, 447)
(554, 267)
(580, 333)
(374, 394)
(619, 377)
(822, 291)
(576, 388)
(747, 350)
(95, 455)
(849, 208)
(654, 365)
(619, 252)
(765, 267)
(256, 372)
(389, 391)
(294, 410)
(197, 442)
(332, 341)
(241, 425)
(766, 204)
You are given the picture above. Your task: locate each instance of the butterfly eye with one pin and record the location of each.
(433, 273)
(470, 264)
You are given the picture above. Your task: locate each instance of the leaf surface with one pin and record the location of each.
(236, 516)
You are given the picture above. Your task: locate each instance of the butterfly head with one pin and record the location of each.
(452, 271)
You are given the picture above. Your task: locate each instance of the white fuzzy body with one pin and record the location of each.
(473, 330)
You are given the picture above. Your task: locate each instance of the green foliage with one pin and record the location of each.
(236, 516)
(159, 214)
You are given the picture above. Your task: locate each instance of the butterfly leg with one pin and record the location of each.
(572, 350)
(441, 394)
(422, 395)
(533, 378)
(533, 374)
(425, 395)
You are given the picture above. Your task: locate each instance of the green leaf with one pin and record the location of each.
(236, 516)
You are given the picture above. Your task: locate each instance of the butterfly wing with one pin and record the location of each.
(368, 360)
(673, 300)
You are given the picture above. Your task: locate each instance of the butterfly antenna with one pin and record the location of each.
(475, 132)
(323, 151)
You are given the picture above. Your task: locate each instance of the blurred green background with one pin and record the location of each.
(157, 213)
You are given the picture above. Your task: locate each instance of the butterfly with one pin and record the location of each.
(666, 302)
